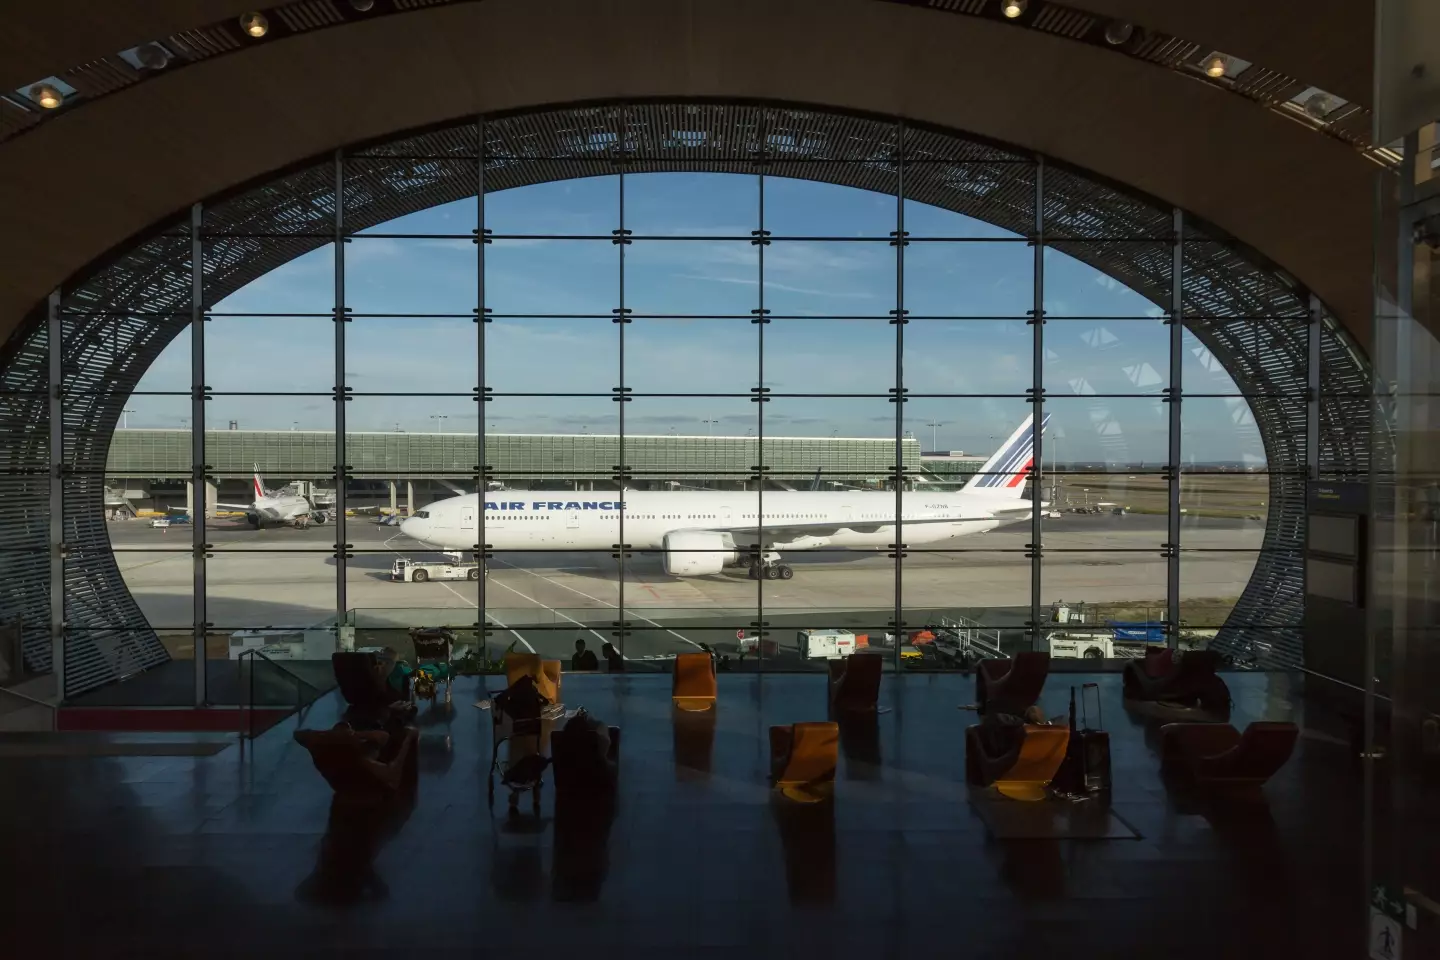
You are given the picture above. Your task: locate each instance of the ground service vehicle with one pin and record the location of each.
(419, 571)
(826, 644)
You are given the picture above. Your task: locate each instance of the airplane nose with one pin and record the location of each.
(413, 527)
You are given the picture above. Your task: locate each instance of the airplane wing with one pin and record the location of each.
(826, 528)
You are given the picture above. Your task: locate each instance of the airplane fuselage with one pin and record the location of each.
(783, 519)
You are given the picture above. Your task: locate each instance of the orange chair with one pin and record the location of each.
(1023, 772)
(803, 757)
(693, 687)
(545, 672)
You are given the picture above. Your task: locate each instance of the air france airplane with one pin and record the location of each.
(276, 507)
(702, 532)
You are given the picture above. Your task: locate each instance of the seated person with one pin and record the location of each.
(584, 659)
(589, 755)
(613, 660)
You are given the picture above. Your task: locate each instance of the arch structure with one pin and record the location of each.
(1304, 381)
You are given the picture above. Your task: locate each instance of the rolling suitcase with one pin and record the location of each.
(1091, 746)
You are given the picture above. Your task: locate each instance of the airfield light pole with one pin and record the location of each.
(708, 425)
(125, 418)
(935, 426)
(439, 419)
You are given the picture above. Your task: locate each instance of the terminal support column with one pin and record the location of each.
(342, 548)
(391, 485)
(409, 498)
(1038, 640)
(56, 420)
(1173, 395)
(899, 471)
(198, 396)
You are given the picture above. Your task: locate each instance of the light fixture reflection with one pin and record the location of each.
(1216, 67)
(1013, 8)
(255, 24)
(46, 95)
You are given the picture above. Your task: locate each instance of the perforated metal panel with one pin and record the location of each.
(119, 318)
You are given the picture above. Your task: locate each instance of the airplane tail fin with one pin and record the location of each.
(1003, 475)
(258, 483)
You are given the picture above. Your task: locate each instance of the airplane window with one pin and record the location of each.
(423, 514)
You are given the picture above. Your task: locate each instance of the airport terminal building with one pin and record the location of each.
(986, 353)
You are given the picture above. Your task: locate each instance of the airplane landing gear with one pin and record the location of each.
(771, 571)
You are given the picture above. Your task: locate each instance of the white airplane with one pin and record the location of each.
(702, 532)
(277, 507)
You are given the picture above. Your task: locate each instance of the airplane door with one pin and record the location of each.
(847, 513)
(572, 521)
(467, 518)
(725, 515)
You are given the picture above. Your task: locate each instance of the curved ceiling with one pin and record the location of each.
(84, 182)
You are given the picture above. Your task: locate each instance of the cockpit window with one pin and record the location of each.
(423, 514)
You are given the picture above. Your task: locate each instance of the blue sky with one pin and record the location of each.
(829, 299)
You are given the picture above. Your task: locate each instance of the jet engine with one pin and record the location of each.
(319, 516)
(698, 553)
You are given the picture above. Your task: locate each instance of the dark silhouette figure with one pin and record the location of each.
(613, 660)
(584, 659)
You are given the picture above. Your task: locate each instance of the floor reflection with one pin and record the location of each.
(860, 744)
(693, 740)
(807, 832)
(582, 850)
(517, 871)
(354, 835)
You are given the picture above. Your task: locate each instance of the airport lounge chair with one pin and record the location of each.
(362, 766)
(1186, 679)
(1016, 682)
(363, 681)
(1216, 754)
(855, 683)
(803, 758)
(1023, 771)
(693, 688)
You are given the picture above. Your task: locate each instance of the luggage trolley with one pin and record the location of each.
(511, 728)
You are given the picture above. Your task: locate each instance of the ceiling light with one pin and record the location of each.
(255, 24)
(1216, 66)
(363, 6)
(152, 56)
(1013, 8)
(1318, 106)
(1117, 32)
(47, 96)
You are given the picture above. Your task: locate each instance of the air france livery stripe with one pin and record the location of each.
(1014, 462)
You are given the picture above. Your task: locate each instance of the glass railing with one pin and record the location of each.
(22, 712)
(788, 638)
(273, 691)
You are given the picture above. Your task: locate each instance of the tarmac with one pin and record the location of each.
(285, 577)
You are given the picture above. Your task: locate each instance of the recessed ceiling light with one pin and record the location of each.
(1013, 8)
(255, 24)
(1216, 66)
(152, 56)
(1118, 32)
(46, 95)
(363, 6)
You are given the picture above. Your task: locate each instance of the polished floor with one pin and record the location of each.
(237, 854)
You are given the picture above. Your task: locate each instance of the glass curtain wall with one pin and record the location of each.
(755, 403)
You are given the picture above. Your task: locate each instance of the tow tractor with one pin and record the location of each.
(419, 571)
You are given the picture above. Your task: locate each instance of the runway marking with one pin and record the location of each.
(560, 613)
(464, 599)
(597, 600)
